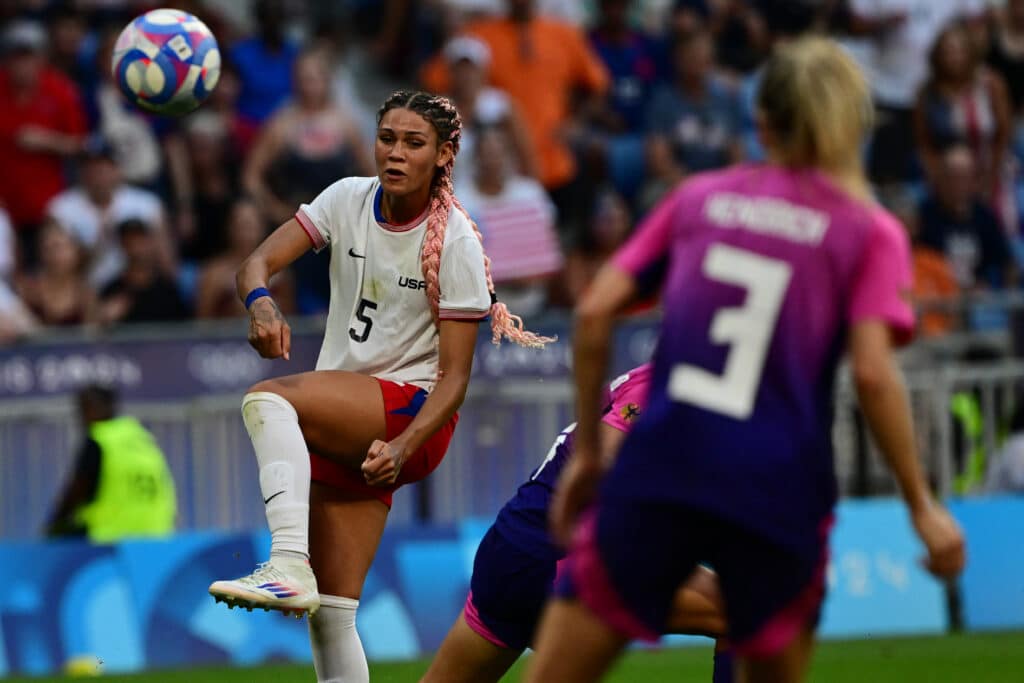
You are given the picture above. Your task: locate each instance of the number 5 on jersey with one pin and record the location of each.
(748, 329)
(365, 319)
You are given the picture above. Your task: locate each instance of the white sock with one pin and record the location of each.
(337, 651)
(283, 460)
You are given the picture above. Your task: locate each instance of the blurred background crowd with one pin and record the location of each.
(578, 114)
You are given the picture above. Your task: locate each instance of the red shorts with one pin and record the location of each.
(401, 404)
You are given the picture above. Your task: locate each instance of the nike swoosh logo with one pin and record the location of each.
(353, 254)
(272, 497)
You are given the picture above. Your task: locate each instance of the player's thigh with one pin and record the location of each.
(344, 533)
(697, 607)
(341, 413)
(467, 657)
(573, 645)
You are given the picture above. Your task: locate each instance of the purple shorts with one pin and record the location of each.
(629, 558)
(508, 591)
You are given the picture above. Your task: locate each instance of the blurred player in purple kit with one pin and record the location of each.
(517, 562)
(769, 272)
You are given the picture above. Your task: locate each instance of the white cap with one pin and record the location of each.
(465, 47)
(24, 35)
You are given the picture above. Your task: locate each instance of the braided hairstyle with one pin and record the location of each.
(443, 116)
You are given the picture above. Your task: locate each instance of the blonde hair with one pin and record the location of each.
(443, 116)
(816, 105)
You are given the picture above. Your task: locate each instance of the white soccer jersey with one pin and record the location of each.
(379, 320)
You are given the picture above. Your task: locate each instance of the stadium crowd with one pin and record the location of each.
(579, 115)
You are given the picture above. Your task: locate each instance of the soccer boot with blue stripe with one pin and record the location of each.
(283, 584)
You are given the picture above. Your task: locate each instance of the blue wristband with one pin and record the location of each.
(257, 293)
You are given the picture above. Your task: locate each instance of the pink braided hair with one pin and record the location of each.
(446, 121)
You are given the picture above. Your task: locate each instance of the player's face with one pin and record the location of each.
(407, 153)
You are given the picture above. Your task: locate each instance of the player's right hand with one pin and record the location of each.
(576, 489)
(943, 539)
(269, 333)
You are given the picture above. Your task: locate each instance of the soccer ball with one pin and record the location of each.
(166, 61)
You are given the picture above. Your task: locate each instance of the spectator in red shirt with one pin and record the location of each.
(41, 123)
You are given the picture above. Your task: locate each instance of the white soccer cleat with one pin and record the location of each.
(284, 585)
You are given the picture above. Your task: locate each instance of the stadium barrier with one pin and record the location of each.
(186, 385)
(143, 604)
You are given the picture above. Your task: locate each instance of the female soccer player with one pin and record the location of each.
(771, 272)
(517, 561)
(408, 276)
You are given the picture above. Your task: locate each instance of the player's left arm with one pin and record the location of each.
(611, 440)
(457, 344)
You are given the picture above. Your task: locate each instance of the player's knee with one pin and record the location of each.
(264, 401)
(267, 386)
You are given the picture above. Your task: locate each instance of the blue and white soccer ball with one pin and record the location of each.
(166, 61)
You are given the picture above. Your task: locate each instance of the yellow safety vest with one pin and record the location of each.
(135, 495)
(967, 411)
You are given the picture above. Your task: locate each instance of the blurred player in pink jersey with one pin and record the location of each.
(769, 274)
(517, 561)
(409, 282)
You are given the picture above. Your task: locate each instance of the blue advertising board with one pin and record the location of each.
(876, 584)
(992, 587)
(144, 604)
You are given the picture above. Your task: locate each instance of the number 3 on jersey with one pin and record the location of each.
(748, 329)
(365, 319)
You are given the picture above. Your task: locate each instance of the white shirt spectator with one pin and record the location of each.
(96, 227)
(518, 226)
(1006, 473)
(136, 148)
(896, 62)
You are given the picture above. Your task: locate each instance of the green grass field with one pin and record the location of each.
(986, 658)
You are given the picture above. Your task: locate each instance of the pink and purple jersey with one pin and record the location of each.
(763, 271)
(524, 518)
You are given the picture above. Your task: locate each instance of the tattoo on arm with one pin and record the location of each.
(261, 316)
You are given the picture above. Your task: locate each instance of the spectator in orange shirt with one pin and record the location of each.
(539, 62)
(935, 290)
(934, 287)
